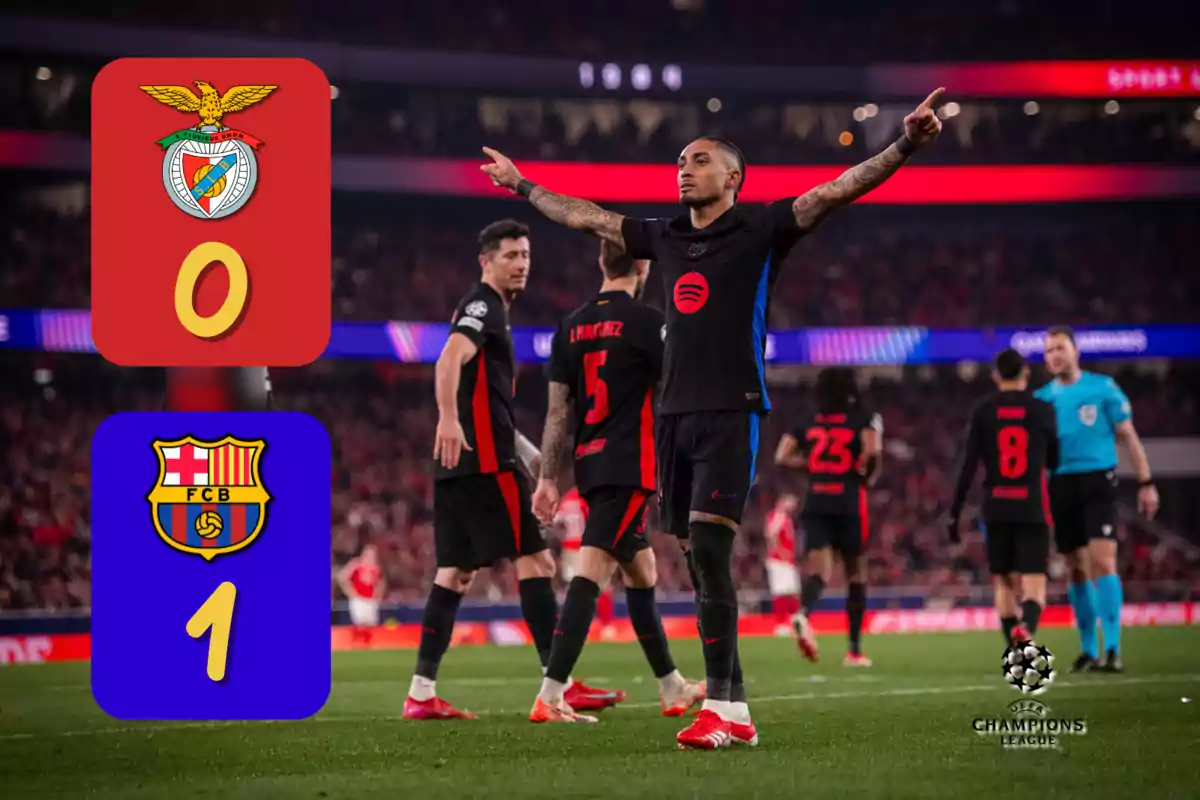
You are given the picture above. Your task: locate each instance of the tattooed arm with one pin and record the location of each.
(580, 215)
(920, 128)
(554, 441)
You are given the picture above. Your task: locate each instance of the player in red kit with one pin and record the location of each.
(361, 580)
(572, 517)
(840, 448)
(783, 580)
(605, 363)
(719, 262)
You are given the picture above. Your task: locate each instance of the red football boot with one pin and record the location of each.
(707, 732)
(582, 697)
(744, 734)
(433, 708)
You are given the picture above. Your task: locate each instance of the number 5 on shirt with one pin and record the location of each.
(210, 566)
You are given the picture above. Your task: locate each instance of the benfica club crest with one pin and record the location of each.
(209, 498)
(209, 171)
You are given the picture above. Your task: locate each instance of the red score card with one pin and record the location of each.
(210, 212)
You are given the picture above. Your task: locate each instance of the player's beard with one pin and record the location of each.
(692, 201)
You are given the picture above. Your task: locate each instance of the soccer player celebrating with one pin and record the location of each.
(605, 364)
(840, 447)
(361, 580)
(481, 500)
(719, 262)
(782, 579)
(1093, 415)
(1016, 437)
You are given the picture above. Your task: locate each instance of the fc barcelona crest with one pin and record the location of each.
(209, 170)
(209, 498)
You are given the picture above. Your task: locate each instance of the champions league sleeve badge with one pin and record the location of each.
(240, 146)
(209, 170)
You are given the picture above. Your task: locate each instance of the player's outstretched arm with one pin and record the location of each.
(1148, 500)
(577, 214)
(921, 127)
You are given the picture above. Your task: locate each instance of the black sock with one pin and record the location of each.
(712, 552)
(1007, 624)
(540, 609)
(737, 689)
(437, 625)
(810, 592)
(579, 608)
(647, 624)
(856, 604)
(1031, 615)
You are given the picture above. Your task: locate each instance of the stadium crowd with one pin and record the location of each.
(411, 260)
(381, 417)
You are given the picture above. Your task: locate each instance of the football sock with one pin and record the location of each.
(1109, 599)
(671, 683)
(437, 625)
(647, 624)
(1006, 627)
(856, 605)
(810, 593)
(573, 624)
(540, 609)
(737, 691)
(1031, 615)
(1083, 601)
(712, 553)
(422, 688)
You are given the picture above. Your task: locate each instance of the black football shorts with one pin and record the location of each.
(1084, 507)
(705, 463)
(847, 534)
(616, 520)
(1022, 547)
(479, 520)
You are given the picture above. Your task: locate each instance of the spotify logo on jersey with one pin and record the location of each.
(691, 293)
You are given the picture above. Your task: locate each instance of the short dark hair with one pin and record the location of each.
(1061, 330)
(836, 390)
(616, 263)
(1009, 364)
(733, 150)
(495, 232)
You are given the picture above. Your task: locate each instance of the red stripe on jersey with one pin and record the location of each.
(485, 441)
(1046, 500)
(1010, 412)
(830, 419)
(864, 515)
(1010, 492)
(637, 501)
(213, 541)
(828, 488)
(512, 501)
(179, 525)
(646, 439)
(237, 522)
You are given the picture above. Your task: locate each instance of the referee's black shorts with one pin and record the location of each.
(1084, 506)
(1022, 547)
(706, 464)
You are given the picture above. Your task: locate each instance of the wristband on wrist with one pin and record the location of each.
(905, 145)
(525, 187)
(1145, 483)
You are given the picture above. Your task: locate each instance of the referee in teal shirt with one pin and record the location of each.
(1093, 414)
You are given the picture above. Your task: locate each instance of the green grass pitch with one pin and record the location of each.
(901, 729)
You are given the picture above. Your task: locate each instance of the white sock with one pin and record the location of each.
(722, 708)
(552, 691)
(671, 684)
(422, 688)
(739, 713)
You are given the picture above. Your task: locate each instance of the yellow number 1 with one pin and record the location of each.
(217, 614)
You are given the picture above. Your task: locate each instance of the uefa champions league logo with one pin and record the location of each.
(1029, 668)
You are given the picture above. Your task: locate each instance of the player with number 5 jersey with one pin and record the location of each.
(840, 448)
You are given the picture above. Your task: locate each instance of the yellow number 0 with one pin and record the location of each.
(217, 614)
(185, 289)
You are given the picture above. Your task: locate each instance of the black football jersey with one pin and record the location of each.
(485, 388)
(609, 353)
(834, 448)
(718, 282)
(1015, 435)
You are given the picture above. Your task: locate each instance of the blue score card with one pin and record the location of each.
(210, 566)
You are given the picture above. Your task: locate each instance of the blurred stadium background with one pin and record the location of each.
(1066, 193)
